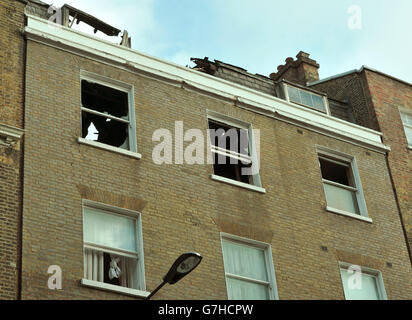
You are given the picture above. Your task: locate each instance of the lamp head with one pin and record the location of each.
(185, 264)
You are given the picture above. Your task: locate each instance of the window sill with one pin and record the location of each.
(116, 289)
(238, 184)
(109, 148)
(350, 215)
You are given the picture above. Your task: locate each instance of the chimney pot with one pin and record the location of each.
(301, 71)
(302, 54)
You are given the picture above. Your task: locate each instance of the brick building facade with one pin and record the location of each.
(12, 55)
(384, 103)
(285, 215)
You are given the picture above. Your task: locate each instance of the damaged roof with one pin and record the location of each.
(92, 21)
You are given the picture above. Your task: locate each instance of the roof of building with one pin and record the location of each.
(340, 75)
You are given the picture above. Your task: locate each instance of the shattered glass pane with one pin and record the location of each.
(105, 100)
(110, 102)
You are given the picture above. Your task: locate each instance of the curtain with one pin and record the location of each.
(245, 261)
(109, 230)
(93, 265)
(129, 271)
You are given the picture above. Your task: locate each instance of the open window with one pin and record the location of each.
(341, 183)
(107, 113)
(230, 148)
(233, 151)
(113, 249)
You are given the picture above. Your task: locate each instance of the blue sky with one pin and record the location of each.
(259, 35)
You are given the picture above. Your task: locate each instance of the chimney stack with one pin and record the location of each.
(300, 71)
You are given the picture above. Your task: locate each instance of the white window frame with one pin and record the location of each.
(112, 210)
(331, 155)
(371, 272)
(120, 86)
(256, 184)
(324, 98)
(267, 249)
(406, 112)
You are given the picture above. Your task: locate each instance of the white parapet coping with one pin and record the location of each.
(70, 40)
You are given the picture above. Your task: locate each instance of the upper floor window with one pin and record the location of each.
(233, 150)
(341, 183)
(407, 123)
(306, 98)
(113, 248)
(230, 148)
(107, 112)
(360, 283)
(249, 269)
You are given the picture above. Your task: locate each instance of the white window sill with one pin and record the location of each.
(238, 184)
(349, 214)
(109, 148)
(113, 288)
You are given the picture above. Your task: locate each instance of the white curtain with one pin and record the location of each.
(129, 271)
(94, 268)
(249, 262)
(243, 290)
(109, 230)
(359, 286)
(93, 265)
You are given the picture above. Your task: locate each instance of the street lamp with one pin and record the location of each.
(185, 264)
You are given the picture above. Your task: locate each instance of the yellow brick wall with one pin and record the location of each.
(388, 96)
(11, 113)
(184, 210)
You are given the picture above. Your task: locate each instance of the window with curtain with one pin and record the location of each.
(248, 274)
(407, 124)
(111, 248)
(362, 285)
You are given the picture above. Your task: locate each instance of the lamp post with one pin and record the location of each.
(185, 264)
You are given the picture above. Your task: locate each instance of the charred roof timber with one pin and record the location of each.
(98, 25)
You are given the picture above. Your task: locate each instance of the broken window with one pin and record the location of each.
(339, 184)
(231, 152)
(112, 247)
(105, 115)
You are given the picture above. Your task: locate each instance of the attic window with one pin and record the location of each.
(106, 115)
(306, 98)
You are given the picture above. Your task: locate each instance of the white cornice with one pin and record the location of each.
(79, 43)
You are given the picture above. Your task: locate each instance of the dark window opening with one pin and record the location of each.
(105, 115)
(231, 151)
(339, 173)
